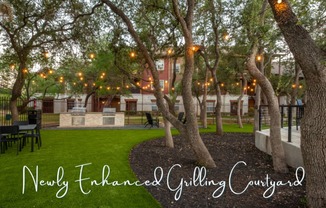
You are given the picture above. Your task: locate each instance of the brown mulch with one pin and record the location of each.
(227, 151)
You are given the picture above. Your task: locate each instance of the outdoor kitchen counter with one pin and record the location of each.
(91, 119)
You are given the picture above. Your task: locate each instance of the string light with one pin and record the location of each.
(195, 48)
(12, 66)
(46, 54)
(226, 36)
(91, 55)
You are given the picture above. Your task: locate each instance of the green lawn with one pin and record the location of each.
(71, 148)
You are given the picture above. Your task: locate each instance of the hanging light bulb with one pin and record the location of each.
(132, 54)
(12, 66)
(279, 1)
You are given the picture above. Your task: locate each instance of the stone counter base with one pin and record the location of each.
(91, 119)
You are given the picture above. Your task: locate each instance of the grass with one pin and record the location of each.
(247, 128)
(68, 149)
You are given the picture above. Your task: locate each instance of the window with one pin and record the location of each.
(177, 106)
(162, 84)
(131, 105)
(159, 65)
(70, 103)
(154, 106)
(210, 106)
(177, 68)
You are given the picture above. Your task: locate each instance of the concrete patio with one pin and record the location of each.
(292, 149)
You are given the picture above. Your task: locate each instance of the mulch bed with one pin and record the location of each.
(229, 152)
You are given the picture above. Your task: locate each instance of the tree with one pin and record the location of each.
(190, 129)
(311, 59)
(212, 55)
(243, 84)
(36, 27)
(278, 154)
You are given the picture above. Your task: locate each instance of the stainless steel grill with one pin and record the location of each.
(109, 111)
(78, 111)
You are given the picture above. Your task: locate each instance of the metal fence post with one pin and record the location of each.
(289, 122)
(282, 115)
(260, 117)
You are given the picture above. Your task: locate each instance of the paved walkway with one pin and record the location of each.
(292, 149)
(295, 135)
(104, 127)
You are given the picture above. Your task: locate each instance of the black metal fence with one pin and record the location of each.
(5, 114)
(51, 110)
(290, 115)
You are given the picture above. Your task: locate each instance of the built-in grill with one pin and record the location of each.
(109, 116)
(109, 111)
(78, 111)
(78, 116)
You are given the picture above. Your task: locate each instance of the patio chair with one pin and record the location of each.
(150, 121)
(31, 132)
(9, 135)
(180, 117)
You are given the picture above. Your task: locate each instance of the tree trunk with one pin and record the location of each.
(242, 85)
(313, 132)
(192, 132)
(278, 154)
(16, 92)
(190, 129)
(168, 135)
(313, 144)
(257, 104)
(218, 106)
(87, 98)
(203, 106)
(203, 112)
(218, 114)
(294, 92)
